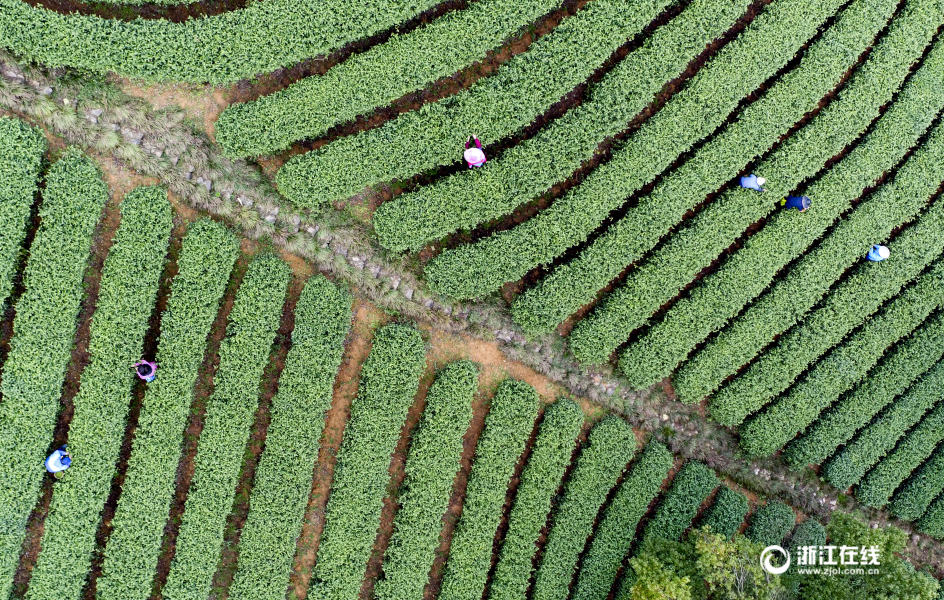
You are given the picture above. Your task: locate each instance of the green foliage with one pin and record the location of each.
(308, 108)
(507, 427)
(734, 72)
(917, 445)
(655, 581)
(758, 127)
(389, 379)
(540, 479)
(283, 478)
(521, 90)
(845, 365)
(898, 370)
(726, 513)
(43, 335)
(913, 499)
(808, 533)
(615, 533)
(932, 523)
(770, 524)
(128, 290)
(610, 446)
(471, 197)
(230, 412)
(431, 468)
(21, 157)
(691, 486)
(876, 440)
(224, 48)
(206, 259)
(787, 234)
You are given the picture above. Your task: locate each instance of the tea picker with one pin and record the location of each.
(473, 152)
(753, 182)
(801, 203)
(146, 370)
(58, 462)
(878, 253)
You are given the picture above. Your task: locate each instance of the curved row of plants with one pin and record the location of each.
(130, 279)
(726, 513)
(914, 498)
(207, 256)
(770, 524)
(43, 336)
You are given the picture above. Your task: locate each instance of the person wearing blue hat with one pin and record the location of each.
(878, 253)
(801, 203)
(58, 461)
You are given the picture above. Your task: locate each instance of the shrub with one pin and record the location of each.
(932, 523)
(808, 533)
(389, 379)
(770, 524)
(206, 258)
(126, 297)
(43, 335)
(691, 486)
(726, 513)
(913, 499)
(283, 478)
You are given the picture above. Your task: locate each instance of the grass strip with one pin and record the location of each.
(431, 467)
(389, 380)
(726, 513)
(206, 258)
(43, 336)
(913, 499)
(130, 279)
(283, 478)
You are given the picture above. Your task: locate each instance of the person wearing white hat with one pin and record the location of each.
(753, 182)
(878, 253)
(473, 152)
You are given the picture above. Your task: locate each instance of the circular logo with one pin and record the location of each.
(767, 556)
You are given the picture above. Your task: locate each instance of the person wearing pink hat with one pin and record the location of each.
(473, 152)
(145, 370)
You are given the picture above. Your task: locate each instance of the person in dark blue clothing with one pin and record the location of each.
(753, 182)
(801, 203)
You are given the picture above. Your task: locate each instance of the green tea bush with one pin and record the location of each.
(691, 115)
(898, 370)
(377, 77)
(758, 127)
(614, 535)
(43, 336)
(508, 426)
(230, 412)
(913, 499)
(749, 271)
(223, 48)
(21, 158)
(609, 447)
(808, 533)
(130, 278)
(471, 197)
(770, 524)
(726, 513)
(493, 108)
(691, 486)
(431, 467)
(206, 258)
(389, 380)
(540, 479)
(932, 523)
(876, 440)
(844, 366)
(283, 478)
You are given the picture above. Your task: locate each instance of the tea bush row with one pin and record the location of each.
(726, 513)
(913, 499)
(678, 508)
(770, 524)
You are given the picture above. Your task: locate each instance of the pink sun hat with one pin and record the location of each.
(474, 156)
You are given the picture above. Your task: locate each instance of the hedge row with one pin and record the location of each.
(403, 64)
(770, 524)
(43, 336)
(21, 158)
(283, 478)
(389, 379)
(493, 108)
(610, 446)
(230, 412)
(431, 467)
(508, 426)
(808, 533)
(759, 126)
(691, 486)
(657, 354)
(877, 487)
(932, 523)
(844, 366)
(126, 297)
(471, 197)
(206, 258)
(691, 115)
(540, 480)
(224, 48)
(849, 465)
(726, 513)
(913, 499)
(902, 366)
(614, 535)
(749, 271)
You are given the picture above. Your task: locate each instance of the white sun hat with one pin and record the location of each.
(761, 181)
(474, 156)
